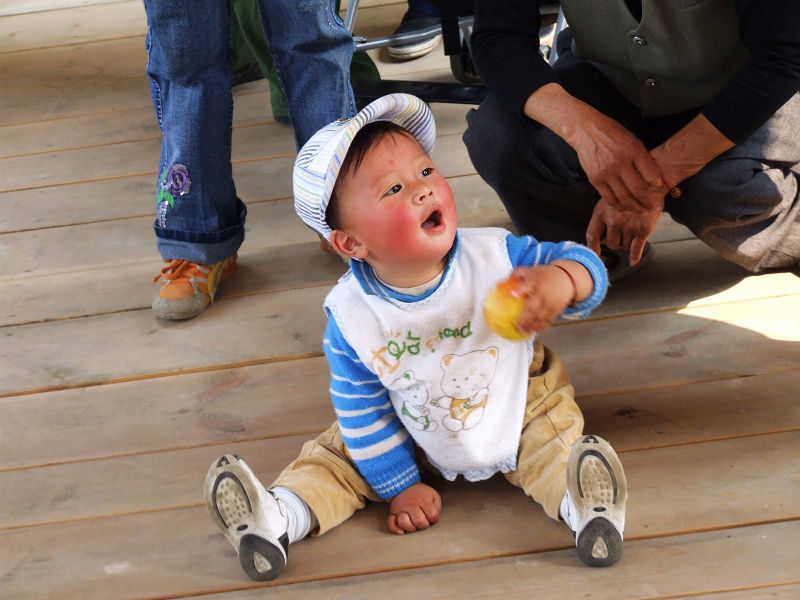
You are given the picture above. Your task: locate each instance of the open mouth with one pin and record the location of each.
(433, 221)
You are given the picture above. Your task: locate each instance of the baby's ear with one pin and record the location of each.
(346, 244)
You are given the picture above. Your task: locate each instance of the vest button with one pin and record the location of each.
(640, 40)
(650, 82)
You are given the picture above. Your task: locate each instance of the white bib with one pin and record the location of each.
(459, 389)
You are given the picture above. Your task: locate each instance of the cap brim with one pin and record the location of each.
(320, 160)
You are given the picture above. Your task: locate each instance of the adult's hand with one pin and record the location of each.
(621, 229)
(679, 157)
(618, 165)
(615, 161)
(689, 150)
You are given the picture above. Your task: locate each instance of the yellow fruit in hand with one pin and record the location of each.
(502, 311)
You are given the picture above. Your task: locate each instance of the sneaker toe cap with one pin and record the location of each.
(178, 309)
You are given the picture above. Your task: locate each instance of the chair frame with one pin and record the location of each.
(456, 31)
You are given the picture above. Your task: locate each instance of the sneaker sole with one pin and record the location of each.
(599, 490)
(414, 50)
(259, 559)
(232, 499)
(599, 544)
(179, 310)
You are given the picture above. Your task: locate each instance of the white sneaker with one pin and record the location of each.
(254, 519)
(597, 492)
(412, 22)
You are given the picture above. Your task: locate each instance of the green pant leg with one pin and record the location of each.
(252, 43)
(243, 59)
(249, 42)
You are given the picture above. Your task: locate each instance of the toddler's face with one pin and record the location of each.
(399, 205)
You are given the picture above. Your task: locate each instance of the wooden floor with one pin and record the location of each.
(110, 418)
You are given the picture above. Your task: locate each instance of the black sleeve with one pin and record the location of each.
(771, 31)
(505, 50)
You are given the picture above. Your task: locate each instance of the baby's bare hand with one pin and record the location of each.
(547, 292)
(416, 507)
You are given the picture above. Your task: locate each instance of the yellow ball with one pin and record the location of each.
(502, 311)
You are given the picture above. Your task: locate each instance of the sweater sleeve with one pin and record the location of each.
(505, 50)
(527, 252)
(373, 434)
(770, 77)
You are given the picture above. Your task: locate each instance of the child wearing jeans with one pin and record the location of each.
(419, 381)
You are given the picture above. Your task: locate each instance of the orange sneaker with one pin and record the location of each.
(189, 287)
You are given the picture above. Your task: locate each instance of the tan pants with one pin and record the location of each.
(328, 481)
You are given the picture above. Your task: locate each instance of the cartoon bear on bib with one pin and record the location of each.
(465, 384)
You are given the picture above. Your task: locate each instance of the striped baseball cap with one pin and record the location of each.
(319, 161)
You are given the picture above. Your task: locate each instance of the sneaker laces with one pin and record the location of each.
(182, 270)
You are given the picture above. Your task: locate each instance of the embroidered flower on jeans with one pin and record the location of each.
(174, 182)
(161, 215)
(177, 181)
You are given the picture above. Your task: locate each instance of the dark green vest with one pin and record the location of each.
(676, 59)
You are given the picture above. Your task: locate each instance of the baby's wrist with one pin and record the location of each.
(574, 301)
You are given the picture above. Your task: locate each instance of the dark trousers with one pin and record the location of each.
(745, 204)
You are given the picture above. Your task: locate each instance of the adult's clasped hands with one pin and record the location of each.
(631, 186)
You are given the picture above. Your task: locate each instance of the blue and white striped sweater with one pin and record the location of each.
(375, 438)
(377, 441)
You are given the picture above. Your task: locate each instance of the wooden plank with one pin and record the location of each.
(234, 405)
(64, 296)
(17, 7)
(41, 104)
(372, 22)
(130, 158)
(689, 414)
(259, 329)
(706, 344)
(126, 57)
(774, 592)
(113, 127)
(46, 137)
(50, 65)
(746, 563)
(49, 253)
(289, 398)
(690, 274)
(69, 23)
(180, 552)
(131, 240)
(139, 157)
(51, 68)
(54, 259)
(748, 472)
(56, 288)
(124, 485)
(134, 196)
(186, 411)
(668, 497)
(72, 21)
(79, 21)
(53, 275)
(46, 104)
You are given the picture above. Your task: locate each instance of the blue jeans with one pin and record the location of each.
(190, 65)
